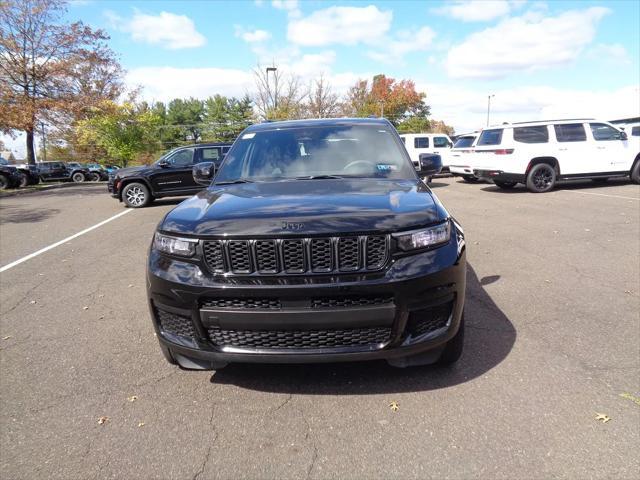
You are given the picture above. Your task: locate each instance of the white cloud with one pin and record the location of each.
(166, 83)
(340, 25)
(406, 42)
(614, 53)
(289, 6)
(477, 11)
(466, 108)
(166, 29)
(252, 36)
(524, 44)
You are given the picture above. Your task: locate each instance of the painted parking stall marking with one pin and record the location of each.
(61, 242)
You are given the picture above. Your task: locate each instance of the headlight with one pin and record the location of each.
(426, 237)
(184, 247)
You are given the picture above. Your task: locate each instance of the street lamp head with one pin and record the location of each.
(272, 69)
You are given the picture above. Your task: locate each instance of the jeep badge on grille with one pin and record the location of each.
(292, 226)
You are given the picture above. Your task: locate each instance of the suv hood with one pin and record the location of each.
(128, 171)
(306, 207)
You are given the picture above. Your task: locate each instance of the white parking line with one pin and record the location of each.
(601, 195)
(64, 240)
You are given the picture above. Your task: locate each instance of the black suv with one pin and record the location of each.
(55, 171)
(315, 242)
(169, 176)
(10, 177)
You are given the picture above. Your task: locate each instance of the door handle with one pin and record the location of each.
(562, 149)
(601, 148)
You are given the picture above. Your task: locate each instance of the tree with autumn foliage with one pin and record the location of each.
(397, 101)
(50, 71)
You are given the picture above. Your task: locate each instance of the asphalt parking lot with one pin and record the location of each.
(553, 338)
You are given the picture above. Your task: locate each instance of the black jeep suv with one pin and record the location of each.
(169, 176)
(315, 242)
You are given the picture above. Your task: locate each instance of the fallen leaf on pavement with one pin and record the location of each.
(394, 406)
(603, 417)
(33, 302)
(7, 337)
(132, 398)
(103, 420)
(85, 308)
(130, 285)
(141, 424)
(633, 398)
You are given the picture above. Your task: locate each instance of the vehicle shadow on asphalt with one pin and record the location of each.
(10, 214)
(489, 338)
(566, 185)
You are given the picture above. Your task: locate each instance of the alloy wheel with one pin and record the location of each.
(543, 178)
(135, 196)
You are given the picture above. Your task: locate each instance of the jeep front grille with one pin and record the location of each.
(297, 255)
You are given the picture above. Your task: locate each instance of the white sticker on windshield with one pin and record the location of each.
(386, 167)
(248, 136)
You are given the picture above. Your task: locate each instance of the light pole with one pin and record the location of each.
(489, 107)
(275, 78)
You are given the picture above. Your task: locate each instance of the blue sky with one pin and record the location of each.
(540, 59)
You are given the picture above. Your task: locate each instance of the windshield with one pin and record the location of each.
(310, 152)
(464, 142)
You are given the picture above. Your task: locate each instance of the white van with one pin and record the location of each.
(417, 143)
(540, 153)
(458, 156)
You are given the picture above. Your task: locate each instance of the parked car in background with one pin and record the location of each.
(10, 177)
(30, 174)
(417, 143)
(111, 168)
(168, 177)
(316, 242)
(98, 172)
(538, 154)
(458, 156)
(59, 171)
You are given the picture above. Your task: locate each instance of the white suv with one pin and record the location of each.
(417, 143)
(540, 153)
(458, 156)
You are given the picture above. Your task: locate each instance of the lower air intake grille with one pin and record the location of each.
(241, 303)
(299, 339)
(346, 302)
(174, 323)
(429, 319)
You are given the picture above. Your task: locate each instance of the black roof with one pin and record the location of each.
(317, 122)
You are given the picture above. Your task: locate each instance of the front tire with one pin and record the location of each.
(505, 185)
(136, 195)
(470, 178)
(541, 178)
(78, 177)
(95, 177)
(4, 182)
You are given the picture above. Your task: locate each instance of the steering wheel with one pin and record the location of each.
(357, 162)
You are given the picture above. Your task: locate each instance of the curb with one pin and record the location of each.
(28, 190)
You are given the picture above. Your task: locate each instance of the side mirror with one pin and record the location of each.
(430, 164)
(623, 136)
(163, 163)
(203, 173)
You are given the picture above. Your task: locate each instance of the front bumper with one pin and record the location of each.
(412, 307)
(499, 175)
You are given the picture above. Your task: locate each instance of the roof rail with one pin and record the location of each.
(554, 120)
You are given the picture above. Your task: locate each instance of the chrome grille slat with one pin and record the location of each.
(294, 256)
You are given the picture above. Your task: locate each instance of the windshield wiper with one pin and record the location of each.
(318, 177)
(232, 182)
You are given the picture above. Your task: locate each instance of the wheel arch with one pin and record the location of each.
(127, 180)
(553, 161)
